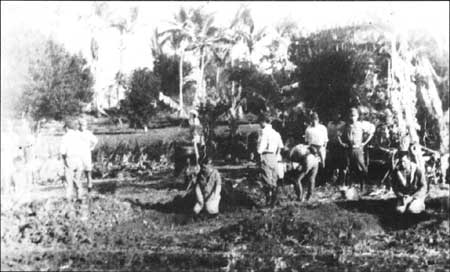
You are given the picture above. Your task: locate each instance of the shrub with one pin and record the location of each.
(60, 84)
(141, 97)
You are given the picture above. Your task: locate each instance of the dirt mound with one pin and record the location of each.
(60, 223)
(318, 224)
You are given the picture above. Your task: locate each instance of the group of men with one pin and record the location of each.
(345, 142)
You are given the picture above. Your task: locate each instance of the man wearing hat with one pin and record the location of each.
(71, 150)
(269, 146)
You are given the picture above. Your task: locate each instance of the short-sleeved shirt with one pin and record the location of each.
(334, 130)
(270, 141)
(72, 144)
(317, 135)
(353, 134)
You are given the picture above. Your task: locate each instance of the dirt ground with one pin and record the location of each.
(135, 225)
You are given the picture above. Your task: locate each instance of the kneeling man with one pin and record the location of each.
(207, 189)
(409, 186)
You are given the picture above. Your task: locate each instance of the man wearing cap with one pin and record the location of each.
(207, 189)
(316, 136)
(269, 146)
(353, 140)
(409, 186)
(90, 141)
(71, 150)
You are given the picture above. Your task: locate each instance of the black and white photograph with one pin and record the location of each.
(225, 136)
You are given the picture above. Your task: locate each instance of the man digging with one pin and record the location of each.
(207, 189)
(409, 186)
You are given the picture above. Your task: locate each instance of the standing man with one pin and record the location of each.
(409, 186)
(72, 152)
(335, 151)
(316, 136)
(269, 146)
(353, 141)
(90, 141)
(207, 189)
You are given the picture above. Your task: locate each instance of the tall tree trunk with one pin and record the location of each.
(181, 81)
(202, 69)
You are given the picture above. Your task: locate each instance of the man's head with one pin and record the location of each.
(336, 116)
(314, 119)
(353, 115)
(263, 121)
(206, 165)
(83, 124)
(70, 124)
(404, 161)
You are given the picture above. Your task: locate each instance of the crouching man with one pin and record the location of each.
(409, 186)
(207, 189)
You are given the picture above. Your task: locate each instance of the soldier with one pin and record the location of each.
(316, 136)
(353, 141)
(409, 186)
(207, 189)
(269, 146)
(71, 150)
(385, 143)
(335, 151)
(90, 141)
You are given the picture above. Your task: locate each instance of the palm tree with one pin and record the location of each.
(204, 38)
(125, 26)
(179, 36)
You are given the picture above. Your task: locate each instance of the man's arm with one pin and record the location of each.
(94, 141)
(369, 129)
(262, 143)
(421, 184)
(308, 135)
(397, 178)
(325, 133)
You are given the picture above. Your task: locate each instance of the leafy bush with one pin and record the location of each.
(141, 97)
(60, 84)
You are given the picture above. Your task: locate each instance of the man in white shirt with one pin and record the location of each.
(89, 143)
(269, 146)
(316, 136)
(71, 150)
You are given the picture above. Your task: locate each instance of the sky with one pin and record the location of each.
(61, 20)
